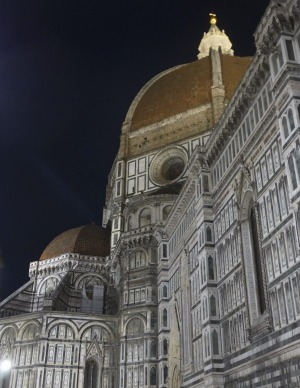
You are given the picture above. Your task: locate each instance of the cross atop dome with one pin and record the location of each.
(214, 39)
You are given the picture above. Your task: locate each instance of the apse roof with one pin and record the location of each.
(90, 240)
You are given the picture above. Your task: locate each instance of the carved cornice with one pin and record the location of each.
(141, 239)
(68, 262)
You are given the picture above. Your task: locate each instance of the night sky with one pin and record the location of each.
(69, 71)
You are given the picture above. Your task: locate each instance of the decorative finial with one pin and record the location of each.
(213, 18)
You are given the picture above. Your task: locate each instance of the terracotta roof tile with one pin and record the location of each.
(184, 88)
(90, 240)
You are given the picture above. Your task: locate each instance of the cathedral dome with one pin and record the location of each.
(90, 240)
(183, 88)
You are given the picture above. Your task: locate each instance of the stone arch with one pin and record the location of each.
(29, 330)
(48, 285)
(69, 325)
(134, 321)
(8, 337)
(92, 288)
(25, 327)
(101, 326)
(10, 331)
(79, 280)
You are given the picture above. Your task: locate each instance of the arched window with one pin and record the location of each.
(258, 261)
(116, 223)
(208, 234)
(290, 245)
(283, 202)
(153, 349)
(165, 346)
(213, 306)
(153, 320)
(92, 374)
(166, 212)
(165, 317)
(165, 374)
(291, 119)
(292, 172)
(165, 291)
(135, 327)
(145, 217)
(211, 274)
(153, 376)
(215, 342)
(137, 259)
(285, 127)
(297, 160)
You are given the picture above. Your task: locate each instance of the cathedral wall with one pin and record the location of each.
(263, 182)
(53, 349)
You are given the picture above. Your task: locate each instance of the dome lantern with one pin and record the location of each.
(214, 39)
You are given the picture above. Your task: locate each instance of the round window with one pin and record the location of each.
(172, 168)
(168, 165)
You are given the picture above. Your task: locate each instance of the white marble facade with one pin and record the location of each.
(202, 285)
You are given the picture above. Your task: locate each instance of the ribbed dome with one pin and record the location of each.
(90, 240)
(182, 88)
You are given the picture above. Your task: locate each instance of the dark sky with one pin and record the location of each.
(68, 73)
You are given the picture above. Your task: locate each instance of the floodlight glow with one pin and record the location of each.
(5, 365)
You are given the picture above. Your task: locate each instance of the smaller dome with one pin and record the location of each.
(89, 240)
